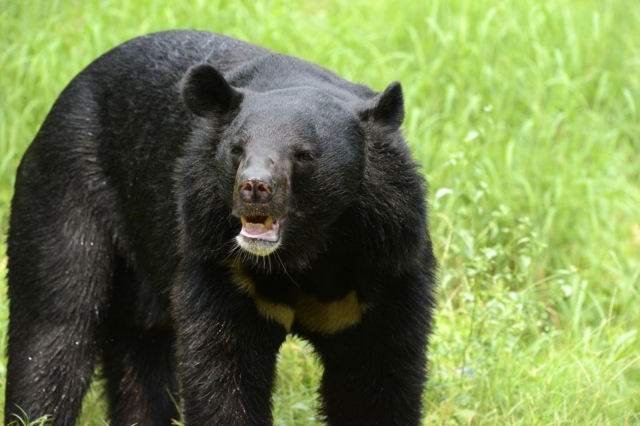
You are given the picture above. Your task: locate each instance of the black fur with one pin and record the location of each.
(122, 240)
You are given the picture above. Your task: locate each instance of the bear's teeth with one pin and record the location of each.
(252, 222)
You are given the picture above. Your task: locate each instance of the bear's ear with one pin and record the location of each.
(385, 110)
(206, 93)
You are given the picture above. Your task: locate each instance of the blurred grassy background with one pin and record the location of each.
(525, 116)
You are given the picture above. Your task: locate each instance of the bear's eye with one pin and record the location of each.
(304, 156)
(236, 150)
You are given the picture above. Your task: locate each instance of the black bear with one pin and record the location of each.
(189, 201)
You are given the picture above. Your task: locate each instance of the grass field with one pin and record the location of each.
(525, 115)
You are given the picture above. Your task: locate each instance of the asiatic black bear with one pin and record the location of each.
(189, 201)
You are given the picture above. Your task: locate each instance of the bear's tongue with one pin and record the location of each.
(260, 227)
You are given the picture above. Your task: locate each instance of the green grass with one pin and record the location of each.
(525, 115)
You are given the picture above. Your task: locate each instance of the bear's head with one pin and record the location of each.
(280, 172)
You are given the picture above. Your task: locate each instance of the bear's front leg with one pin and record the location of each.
(375, 371)
(226, 350)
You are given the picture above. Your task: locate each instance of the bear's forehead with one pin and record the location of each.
(297, 101)
(296, 111)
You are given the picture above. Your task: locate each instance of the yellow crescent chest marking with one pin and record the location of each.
(331, 317)
(270, 310)
(313, 315)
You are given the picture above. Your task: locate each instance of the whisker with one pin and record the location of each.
(285, 269)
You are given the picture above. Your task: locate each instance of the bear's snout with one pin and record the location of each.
(256, 187)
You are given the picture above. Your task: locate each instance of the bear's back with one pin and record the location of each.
(173, 52)
(161, 59)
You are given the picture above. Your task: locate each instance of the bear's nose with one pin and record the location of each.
(255, 190)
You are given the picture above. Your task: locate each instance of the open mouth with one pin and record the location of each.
(260, 235)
